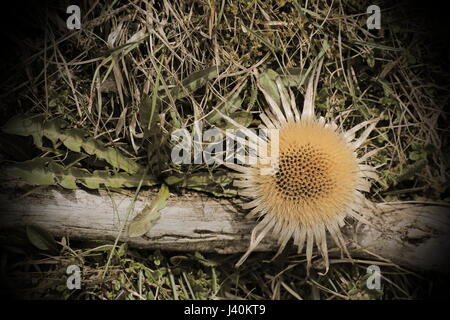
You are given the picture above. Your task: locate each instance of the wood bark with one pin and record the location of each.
(412, 235)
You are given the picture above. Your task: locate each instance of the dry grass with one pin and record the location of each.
(95, 78)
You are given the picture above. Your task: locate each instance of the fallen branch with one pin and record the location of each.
(413, 235)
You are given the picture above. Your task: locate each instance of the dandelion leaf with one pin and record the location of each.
(21, 126)
(33, 172)
(40, 238)
(267, 82)
(143, 221)
(195, 81)
(45, 171)
(74, 139)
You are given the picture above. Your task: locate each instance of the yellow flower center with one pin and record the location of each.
(315, 175)
(304, 173)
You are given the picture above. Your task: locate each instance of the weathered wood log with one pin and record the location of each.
(413, 235)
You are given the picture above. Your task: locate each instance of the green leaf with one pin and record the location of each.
(207, 263)
(149, 116)
(26, 127)
(228, 107)
(195, 81)
(143, 222)
(40, 238)
(261, 39)
(149, 108)
(242, 117)
(34, 172)
(412, 170)
(417, 155)
(45, 171)
(294, 77)
(153, 115)
(216, 184)
(74, 139)
(387, 88)
(267, 82)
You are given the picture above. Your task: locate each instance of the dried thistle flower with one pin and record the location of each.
(317, 179)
